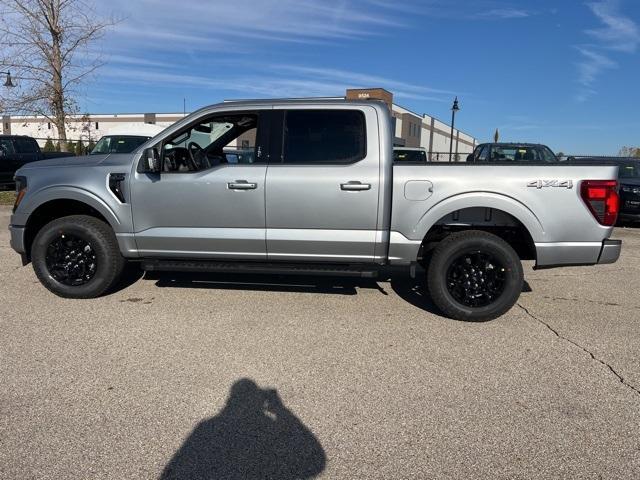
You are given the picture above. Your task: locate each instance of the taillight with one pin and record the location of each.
(601, 196)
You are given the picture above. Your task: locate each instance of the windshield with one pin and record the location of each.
(118, 144)
(522, 153)
(409, 156)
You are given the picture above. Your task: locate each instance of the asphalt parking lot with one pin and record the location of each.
(269, 377)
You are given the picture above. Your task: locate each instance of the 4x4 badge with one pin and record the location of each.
(551, 183)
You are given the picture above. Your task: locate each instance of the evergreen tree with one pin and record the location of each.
(49, 146)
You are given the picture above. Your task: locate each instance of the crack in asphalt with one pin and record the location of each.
(594, 302)
(591, 354)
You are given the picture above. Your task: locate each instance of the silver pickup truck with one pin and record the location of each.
(319, 195)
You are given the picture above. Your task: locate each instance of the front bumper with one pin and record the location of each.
(16, 241)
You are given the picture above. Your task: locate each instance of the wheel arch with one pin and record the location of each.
(494, 213)
(49, 207)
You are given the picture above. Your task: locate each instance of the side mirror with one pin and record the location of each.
(150, 161)
(470, 158)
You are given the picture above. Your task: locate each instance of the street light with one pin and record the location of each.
(454, 109)
(8, 83)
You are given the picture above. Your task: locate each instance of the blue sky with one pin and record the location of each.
(564, 73)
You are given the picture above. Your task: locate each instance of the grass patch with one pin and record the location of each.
(7, 198)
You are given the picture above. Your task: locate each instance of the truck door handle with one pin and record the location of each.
(355, 186)
(242, 185)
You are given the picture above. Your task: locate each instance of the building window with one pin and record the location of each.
(97, 126)
(48, 125)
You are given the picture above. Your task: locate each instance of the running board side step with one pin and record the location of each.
(333, 270)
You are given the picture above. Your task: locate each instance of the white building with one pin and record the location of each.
(411, 129)
(87, 128)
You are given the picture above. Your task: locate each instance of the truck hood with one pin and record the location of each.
(88, 160)
(83, 161)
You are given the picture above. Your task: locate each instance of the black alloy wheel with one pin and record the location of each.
(71, 260)
(77, 257)
(474, 276)
(476, 279)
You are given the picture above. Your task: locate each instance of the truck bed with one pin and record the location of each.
(545, 199)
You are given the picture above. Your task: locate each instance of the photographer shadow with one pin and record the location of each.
(253, 437)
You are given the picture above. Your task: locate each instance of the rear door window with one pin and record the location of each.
(314, 137)
(26, 145)
(6, 145)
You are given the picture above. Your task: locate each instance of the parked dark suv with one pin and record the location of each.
(512, 152)
(629, 179)
(17, 150)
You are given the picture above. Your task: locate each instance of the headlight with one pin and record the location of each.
(21, 190)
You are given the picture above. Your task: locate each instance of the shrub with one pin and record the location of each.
(49, 146)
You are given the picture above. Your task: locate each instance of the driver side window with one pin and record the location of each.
(226, 139)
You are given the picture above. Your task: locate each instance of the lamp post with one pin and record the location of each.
(8, 83)
(455, 108)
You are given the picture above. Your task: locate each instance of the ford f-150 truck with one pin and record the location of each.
(321, 195)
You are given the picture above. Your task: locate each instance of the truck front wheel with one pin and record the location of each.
(77, 257)
(474, 276)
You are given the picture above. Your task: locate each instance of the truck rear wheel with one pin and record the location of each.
(474, 276)
(77, 257)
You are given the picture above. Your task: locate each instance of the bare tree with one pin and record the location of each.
(47, 46)
(629, 152)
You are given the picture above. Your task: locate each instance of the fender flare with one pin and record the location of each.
(67, 192)
(493, 200)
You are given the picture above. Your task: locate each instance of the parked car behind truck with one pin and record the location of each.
(125, 138)
(321, 196)
(629, 179)
(512, 152)
(16, 151)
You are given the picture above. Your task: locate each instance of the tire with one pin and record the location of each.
(474, 276)
(84, 242)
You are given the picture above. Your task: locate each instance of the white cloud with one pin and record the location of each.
(275, 81)
(354, 79)
(505, 13)
(592, 65)
(225, 47)
(232, 25)
(619, 32)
